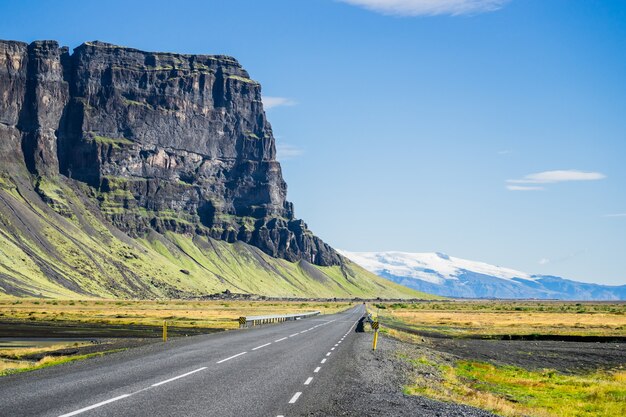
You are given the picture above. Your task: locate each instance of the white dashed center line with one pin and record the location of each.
(262, 346)
(232, 357)
(308, 380)
(91, 407)
(179, 377)
(328, 354)
(280, 340)
(317, 369)
(292, 335)
(295, 397)
(323, 361)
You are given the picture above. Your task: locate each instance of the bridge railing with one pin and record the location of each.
(249, 321)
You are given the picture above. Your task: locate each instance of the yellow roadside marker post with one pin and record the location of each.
(375, 328)
(164, 331)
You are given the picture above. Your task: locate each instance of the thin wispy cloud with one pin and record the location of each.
(523, 188)
(271, 102)
(285, 152)
(505, 152)
(429, 7)
(615, 215)
(551, 177)
(561, 259)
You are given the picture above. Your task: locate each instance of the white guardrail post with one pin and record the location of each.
(249, 321)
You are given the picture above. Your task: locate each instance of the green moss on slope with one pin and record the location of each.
(77, 254)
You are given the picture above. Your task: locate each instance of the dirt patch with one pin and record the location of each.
(567, 357)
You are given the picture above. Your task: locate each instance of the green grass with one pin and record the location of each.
(517, 392)
(102, 263)
(6, 367)
(242, 79)
(114, 142)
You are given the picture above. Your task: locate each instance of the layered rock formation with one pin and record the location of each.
(165, 142)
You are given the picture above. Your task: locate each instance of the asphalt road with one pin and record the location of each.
(288, 370)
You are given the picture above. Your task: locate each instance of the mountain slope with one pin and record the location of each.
(126, 173)
(440, 274)
(79, 254)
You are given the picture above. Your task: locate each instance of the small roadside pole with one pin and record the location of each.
(164, 330)
(375, 328)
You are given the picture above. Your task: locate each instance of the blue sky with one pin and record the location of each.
(490, 130)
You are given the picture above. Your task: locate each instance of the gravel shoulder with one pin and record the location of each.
(373, 386)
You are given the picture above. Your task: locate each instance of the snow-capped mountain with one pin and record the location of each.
(440, 274)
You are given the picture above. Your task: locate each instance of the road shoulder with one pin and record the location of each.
(372, 386)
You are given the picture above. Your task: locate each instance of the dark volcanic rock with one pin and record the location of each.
(168, 142)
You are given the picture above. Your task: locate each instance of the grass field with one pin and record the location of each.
(12, 366)
(509, 390)
(202, 314)
(503, 318)
(516, 392)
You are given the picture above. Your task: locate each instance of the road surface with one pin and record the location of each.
(288, 370)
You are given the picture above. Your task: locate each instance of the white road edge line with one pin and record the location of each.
(262, 346)
(232, 357)
(308, 380)
(295, 397)
(280, 340)
(91, 407)
(317, 369)
(178, 377)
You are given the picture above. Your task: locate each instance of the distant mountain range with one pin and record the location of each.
(440, 274)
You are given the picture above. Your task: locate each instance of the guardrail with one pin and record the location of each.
(258, 320)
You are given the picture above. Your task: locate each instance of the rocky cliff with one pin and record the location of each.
(148, 175)
(163, 142)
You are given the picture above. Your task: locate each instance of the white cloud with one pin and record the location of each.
(523, 188)
(505, 152)
(550, 177)
(271, 102)
(615, 215)
(429, 7)
(544, 261)
(285, 151)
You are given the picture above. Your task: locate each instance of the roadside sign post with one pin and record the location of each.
(375, 328)
(165, 331)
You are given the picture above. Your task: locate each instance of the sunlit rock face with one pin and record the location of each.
(165, 141)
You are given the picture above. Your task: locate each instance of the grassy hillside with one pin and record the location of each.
(55, 243)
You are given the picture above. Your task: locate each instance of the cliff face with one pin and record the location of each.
(165, 142)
